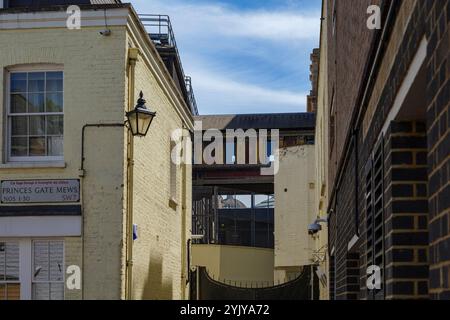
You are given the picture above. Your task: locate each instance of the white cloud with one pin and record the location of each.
(207, 32)
(201, 20)
(224, 96)
(276, 26)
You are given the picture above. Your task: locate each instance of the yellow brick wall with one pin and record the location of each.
(294, 211)
(95, 90)
(321, 154)
(157, 254)
(72, 249)
(244, 265)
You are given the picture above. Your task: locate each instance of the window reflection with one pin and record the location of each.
(246, 219)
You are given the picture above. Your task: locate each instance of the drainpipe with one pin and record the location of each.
(132, 58)
(81, 174)
(184, 242)
(312, 282)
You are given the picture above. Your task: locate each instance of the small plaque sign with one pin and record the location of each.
(40, 191)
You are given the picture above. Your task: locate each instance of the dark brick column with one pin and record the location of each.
(332, 278)
(438, 122)
(406, 211)
(347, 286)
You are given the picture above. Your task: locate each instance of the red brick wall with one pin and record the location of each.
(348, 50)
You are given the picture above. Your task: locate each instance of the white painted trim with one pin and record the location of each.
(59, 226)
(44, 67)
(352, 242)
(31, 165)
(26, 264)
(58, 19)
(25, 269)
(32, 67)
(32, 264)
(411, 75)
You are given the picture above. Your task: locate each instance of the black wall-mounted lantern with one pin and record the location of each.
(140, 118)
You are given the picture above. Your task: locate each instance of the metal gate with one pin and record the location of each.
(297, 289)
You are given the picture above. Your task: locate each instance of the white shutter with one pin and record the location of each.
(2, 260)
(9, 271)
(56, 260)
(48, 270)
(12, 261)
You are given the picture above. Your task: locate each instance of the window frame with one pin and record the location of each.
(26, 263)
(11, 282)
(173, 175)
(8, 115)
(63, 281)
(230, 152)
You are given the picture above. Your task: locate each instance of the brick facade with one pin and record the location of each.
(344, 59)
(311, 103)
(438, 119)
(406, 232)
(96, 92)
(406, 211)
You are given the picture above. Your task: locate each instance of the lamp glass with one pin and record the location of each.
(145, 119)
(140, 120)
(133, 121)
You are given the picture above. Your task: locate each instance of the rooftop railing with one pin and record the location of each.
(160, 31)
(191, 95)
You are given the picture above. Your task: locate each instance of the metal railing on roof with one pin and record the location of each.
(191, 95)
(160, 31)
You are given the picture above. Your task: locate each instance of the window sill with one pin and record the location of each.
(33, 165)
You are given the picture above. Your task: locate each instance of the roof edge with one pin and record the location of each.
(62, 7)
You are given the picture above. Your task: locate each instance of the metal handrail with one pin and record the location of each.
(159, 25)
(191, 96)
(161, 33)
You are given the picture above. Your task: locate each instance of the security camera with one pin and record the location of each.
(105, 33)
(314, 228)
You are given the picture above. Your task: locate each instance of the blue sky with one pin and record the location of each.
(249, 56)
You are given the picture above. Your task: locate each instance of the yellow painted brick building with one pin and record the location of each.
(321, 249)
(90, 79)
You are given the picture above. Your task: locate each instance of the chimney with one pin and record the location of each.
(314, 75)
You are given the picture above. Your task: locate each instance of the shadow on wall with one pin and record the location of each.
(157, 288)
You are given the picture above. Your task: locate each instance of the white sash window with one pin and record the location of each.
(35, 115)
(9, 271)
(32, 269)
